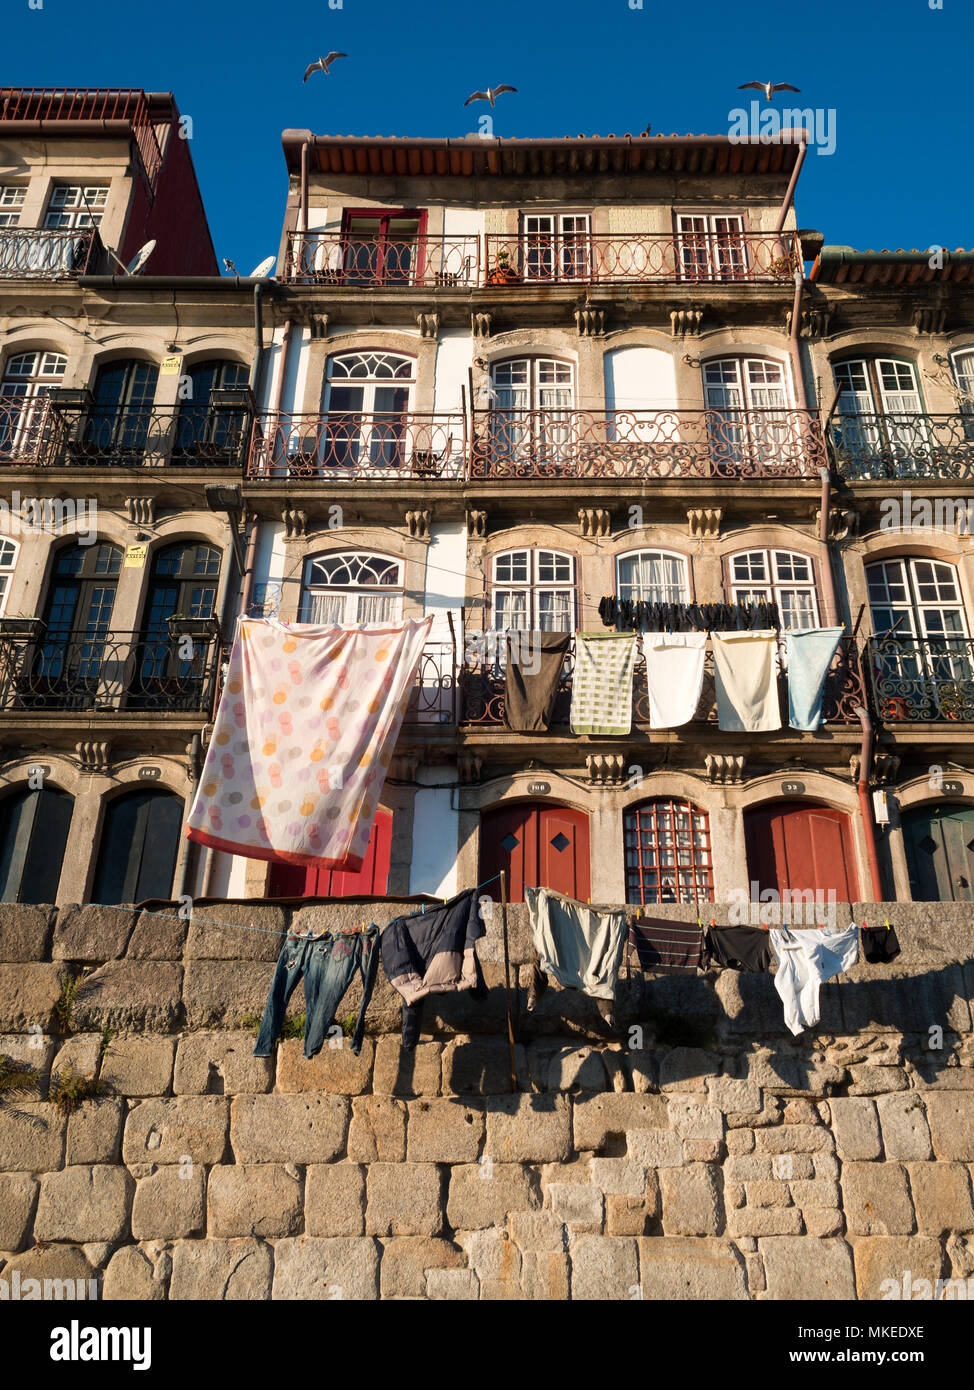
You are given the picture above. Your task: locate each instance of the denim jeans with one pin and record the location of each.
(328, 964)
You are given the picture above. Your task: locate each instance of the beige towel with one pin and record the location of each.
(745, 672)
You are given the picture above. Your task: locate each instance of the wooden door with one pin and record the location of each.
(539, 846)
(940, 853)
(303, 881)
(793, 845)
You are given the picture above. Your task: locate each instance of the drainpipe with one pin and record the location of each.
(790, 192)
(304, 183)
(865, 803)
(793, 342)
(828, 579)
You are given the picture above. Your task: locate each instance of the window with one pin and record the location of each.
(381, 247)
(667, 853)
(76, 205)
(122, 411)
(201, 431)
(352, 587)
(531, 400)
(34, 828)
(367, 397)
(746, 400)
(27, 379)
(556, 246)
(777, 576)
(67, 664)
(711, 247)
(12, 197)
(139, 843)
(8, 561)
(534, 590)
(921, 648)
(877, 385)
(963, 365)
(652, 576)
(878, 411)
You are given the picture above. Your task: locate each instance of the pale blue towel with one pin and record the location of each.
(810, 655)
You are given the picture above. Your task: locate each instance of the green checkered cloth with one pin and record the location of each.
(602, 682)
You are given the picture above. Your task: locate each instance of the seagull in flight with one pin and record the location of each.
(769, 88)
(489, 95)
(323, 63)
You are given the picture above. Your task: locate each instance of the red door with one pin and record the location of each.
(793, 845)
(302, 881)
(540, 846)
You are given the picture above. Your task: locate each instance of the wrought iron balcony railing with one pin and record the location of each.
(869, 447)
(128, 104)
(113, 671)
(328, 258)
(433, 698)
(178, 436)
(637, 258)
(36, 253)
(353, 446)
(927, 680)
(24, 428)
(482, 690)
(567, 443)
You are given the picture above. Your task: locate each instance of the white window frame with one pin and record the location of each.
(962, 367)
(745, 384)
(9, 550)
(711, 246)
(917, 609)
(875, 395)
(662, 594)
(559, 591)
(21, 395)
(320, 599)
(10, 204)
(556, 245)
(775, 583)
(74, 205)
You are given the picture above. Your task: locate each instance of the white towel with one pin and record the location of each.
(805, 959)
(674, 676)
(746, 681)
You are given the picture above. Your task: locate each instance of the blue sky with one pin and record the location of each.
(896, 73)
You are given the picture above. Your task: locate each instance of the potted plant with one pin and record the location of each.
(29, 626)
(503, 273)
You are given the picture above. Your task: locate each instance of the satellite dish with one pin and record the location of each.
(139, 260)
(260, 271)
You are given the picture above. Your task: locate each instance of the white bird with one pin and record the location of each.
(323, 63)
(769, 88)
(489, 95)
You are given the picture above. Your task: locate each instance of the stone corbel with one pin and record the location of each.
(429, 324)
(469, 767)
(141, 511)
(705, 521)
(476, 524)
(929, 320)
(686, 323)
(589, 322)
(318, 323)
(418, 524)
(843, 522)
(815, 321)
(725, 769)
(295, 523)
(403, 767)
(480, 324)
(94, 756)
(594, 521)
(606, 769)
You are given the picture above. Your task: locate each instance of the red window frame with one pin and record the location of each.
(642, 825)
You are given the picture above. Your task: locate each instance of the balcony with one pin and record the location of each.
(327, 258)
(432, 700)
(873, 447)
(35, 253)
(78, 433)
(922, 680)
(24, 429)
(347, 448)
(126, 105)
(109, 671)
(584, 258)
(665, 444)
(481, 696)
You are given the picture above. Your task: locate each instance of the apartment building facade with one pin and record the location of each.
(503, 379)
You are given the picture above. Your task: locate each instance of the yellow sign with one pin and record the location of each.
(171, 364)
(135, 557)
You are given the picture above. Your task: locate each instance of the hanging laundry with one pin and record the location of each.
(535, 662)
(739, 948)
(880, 945)
(806, 959)
(303, 737)
(432, 952)
(674, 676)
(580, 945)
(809, 654)
(625, 614)
(328, 963)
(745, 676)
(675, 948)
(602, 683)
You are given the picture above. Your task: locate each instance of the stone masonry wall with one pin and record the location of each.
(710, 1155)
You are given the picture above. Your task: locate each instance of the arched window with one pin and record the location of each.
(183, 582)
(747, 413)
(139, 843)
(34, 828)
(27, 380)
(202, 432)
(118, 423)
(653, 576)
(530, 422)
(8, 562)
(667, 853)
(876, 386)
(783, 577)
(963, 366)
(367, 398)
(920, 655)
(735, 384)
(534, 590)
(878, 426)
(66, 671)
(352, 587)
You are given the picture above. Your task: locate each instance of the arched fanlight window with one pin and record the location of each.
(34, 826)
(138, 848)
(352, 587)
